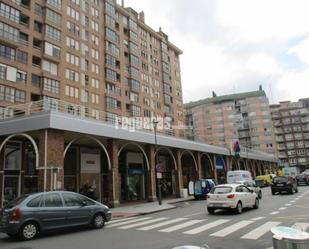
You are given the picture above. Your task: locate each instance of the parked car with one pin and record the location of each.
(284, 184)
(250, 184)
(238, 175)
(202, 187)
(303, 178)
(31, 214)
(231, 196)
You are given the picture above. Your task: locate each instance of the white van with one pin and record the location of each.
(238, 175)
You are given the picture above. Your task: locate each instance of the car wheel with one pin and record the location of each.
(260, 195)
(98, 221)
(238, 208)
(210, 210)
(273, 192)
(256, 204)
(29, 231)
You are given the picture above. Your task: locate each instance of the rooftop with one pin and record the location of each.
(225, 98)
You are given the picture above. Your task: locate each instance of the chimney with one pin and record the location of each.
(260, 88)
(214, 94)
(122, 3)
(142, 16)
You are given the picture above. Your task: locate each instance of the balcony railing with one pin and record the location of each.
(131, 123)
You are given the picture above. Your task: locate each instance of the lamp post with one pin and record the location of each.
(158, 177)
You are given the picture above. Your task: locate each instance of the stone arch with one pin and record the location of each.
(170, 152)
(209, 158)
(30, 139)
(94, 139)
(192, 155)
(204, 170)
(140, 148)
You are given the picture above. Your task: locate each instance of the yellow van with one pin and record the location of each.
(267, 179)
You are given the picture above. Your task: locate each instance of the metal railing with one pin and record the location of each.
(130, 123)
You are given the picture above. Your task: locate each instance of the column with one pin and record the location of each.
(198, 159)
(179, 180)
(51, 148)
(214, 168)
(151, 174)
(114, 179)
(1, 172)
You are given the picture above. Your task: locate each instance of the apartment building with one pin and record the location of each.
(242, 116)
(96, 54)
(291, 123)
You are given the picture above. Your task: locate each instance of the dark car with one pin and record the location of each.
(202, 187)
(283, 184)
(31, 214)
(303, 178)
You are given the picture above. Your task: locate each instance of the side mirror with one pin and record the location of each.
(84, 203)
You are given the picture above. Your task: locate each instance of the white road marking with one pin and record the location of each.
(303, 226)
(139, 224)
(180, 226)
(258, 218)
(194, 214)
(162, 224)
(288, 204)
(260, 231)
(128, 222)
(282, 208)
(273, 213)
(120, 220)
(292, 201)
(230, 229)
(206, 227)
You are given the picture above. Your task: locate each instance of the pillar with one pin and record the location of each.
(179, 180)
(51, 148)
(114, 179)
(151, 174)
(198, 159)
(1, 173)
(214, 168)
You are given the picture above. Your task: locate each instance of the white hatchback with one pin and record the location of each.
(231, 196)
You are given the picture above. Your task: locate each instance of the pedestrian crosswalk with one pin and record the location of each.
(250, 229)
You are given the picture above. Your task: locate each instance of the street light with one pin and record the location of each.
(158, 177)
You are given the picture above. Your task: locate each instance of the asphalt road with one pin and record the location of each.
(188, 224)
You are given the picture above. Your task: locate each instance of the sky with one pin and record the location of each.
(232, 46)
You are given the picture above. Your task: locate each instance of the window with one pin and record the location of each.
(52, 50)
(52, 200)
(38, 10)
(95, 83)
(95, 68)
(7, 52)
(95, 98)
(73, 13)
(50, 67)
(35, 202)
(21, 76)
(72, 75)
(2, 72)
(53, 16)
(73, 28)
(111, 75)
(71, 200)
(51, 85)
(72, 92)
(74, 60)
(112, 61)
(71, 43)
(35, 80)
(112, 35)
(54, 3)
(9, 32)
(95, 26)
(20, 96)
(111, 48)
(110, 9)
(95, 54)
(133, 36)
(134, 60)
(95, 12)
(10, 13)
(112, 103)
(22, 57)
(95, 39)
(52, 33)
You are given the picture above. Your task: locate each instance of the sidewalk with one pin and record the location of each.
(146, 208)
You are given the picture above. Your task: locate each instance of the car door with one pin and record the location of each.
(78, 212)
(249, 196)
(52, 213)
(241, 195)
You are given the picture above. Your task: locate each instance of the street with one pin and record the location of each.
(188, 224)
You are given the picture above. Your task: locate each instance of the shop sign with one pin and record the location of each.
(136, 171)
(90, 163)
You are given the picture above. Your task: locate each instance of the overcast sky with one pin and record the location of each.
(232, 46)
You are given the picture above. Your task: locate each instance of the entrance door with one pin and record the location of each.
(11, 188)
(136, 189)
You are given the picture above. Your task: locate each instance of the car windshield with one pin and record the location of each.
(221, 190)
(280, 179)
(16, 202)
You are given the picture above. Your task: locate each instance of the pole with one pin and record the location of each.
(157, 162)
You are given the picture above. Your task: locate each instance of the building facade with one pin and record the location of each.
(96, 54)
(222, 119)
(291, 122)
(80, 82)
